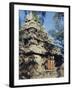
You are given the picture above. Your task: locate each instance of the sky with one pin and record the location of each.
(48, 20)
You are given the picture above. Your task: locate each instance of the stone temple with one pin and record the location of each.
(38, 56)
